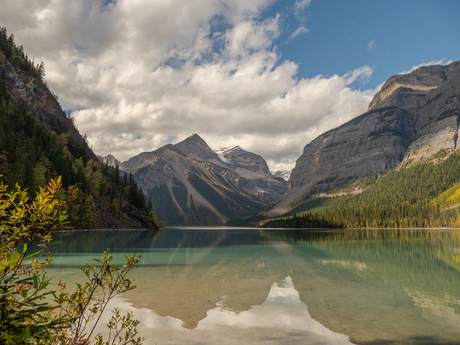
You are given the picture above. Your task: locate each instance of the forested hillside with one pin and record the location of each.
(422, 195)
(39, 142)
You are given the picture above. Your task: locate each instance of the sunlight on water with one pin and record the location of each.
(233, 286)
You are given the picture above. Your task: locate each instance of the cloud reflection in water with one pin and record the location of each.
(282, 319)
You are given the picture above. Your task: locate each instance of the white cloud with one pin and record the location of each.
(148, 73)
(371, 46)
(431, 63)
(300, 5)
(300, 30)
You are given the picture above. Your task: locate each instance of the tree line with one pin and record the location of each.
(405, 197)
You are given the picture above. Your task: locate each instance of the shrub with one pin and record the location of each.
(25, 315)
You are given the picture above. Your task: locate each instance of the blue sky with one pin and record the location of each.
(266, 75)
(405, 33)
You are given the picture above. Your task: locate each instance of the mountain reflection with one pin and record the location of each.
(280, 319)
(376, 286)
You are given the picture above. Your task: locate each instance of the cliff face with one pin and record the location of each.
(189, 183)
(110, 160)
(409, 90)
(412, 117)
(38, 99)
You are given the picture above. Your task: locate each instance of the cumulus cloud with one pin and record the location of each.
(140, 74)
(431, 63)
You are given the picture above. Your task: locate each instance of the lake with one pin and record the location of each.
(251, 286)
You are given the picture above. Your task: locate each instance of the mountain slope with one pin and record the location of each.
(420, 195)
(39, 142)
(410, 119)
(191, 184)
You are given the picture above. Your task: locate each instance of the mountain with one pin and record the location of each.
(413, 117)
(189, 183)
(110, 160)
(39, 142)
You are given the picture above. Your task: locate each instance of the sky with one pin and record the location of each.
(267, 75)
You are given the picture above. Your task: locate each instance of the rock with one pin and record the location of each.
(412, 117)
(200, 186)
(110, 160)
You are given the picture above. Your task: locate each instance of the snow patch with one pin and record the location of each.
(283, 174)
(223, 150)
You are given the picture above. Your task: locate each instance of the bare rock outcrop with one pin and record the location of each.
(411, 118)
(110, 160)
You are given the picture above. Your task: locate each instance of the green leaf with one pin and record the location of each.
(24, 293)
(30, 255)
(35, 277)
(14, 259)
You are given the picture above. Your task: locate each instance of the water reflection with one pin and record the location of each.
(281, 319)
(375, 286)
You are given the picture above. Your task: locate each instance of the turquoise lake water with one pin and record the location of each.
(251, 286)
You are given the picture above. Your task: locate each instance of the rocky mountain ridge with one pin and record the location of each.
(189, 183)
(411, 118)
(110, 160)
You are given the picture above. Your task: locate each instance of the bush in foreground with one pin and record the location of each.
(25, 315)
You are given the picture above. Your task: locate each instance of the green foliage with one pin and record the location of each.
(450, 198)
(25, 315)
(410, 197)
(307, 204)
(440, 154)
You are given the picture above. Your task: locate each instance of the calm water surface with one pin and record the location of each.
(236, 286)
